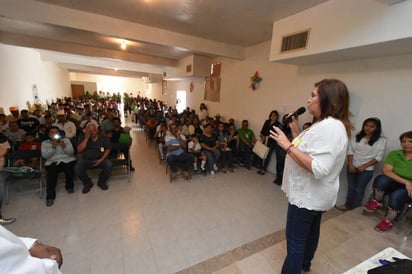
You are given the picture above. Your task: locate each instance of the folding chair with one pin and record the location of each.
(29, 171)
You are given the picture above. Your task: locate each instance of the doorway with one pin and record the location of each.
(180, 101)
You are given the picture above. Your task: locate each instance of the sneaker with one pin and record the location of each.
(212, 173)
(7, 221)
(342, 208)
(372, 206)
(384, 225)
(215, 167)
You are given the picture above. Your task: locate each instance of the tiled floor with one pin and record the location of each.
(346, 241)
(149, 225)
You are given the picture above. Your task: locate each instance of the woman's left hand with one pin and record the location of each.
(279, 136)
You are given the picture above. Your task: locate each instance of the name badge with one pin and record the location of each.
(101, 149)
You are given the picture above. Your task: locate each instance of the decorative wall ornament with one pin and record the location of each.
(255, 79)
(191, 86)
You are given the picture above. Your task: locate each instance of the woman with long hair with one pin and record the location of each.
(264, 137)
(313, 163)
(365, 150)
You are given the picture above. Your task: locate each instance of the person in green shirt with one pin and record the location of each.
(246, 141)
(396, 181)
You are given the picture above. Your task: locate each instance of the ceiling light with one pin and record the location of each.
(123, 44)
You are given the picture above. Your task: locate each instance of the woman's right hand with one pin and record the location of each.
(352, 169)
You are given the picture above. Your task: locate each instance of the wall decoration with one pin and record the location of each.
(255, 79)
(191, 86)
(212, 88)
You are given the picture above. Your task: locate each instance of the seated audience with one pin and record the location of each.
(121, 141)
(27, 255)
(176, 145)
(28, 152)
(226, 159)
(67, 126)
(4, 147)
(41, 134)
(365, 150)
(27, 123)
(107, 124)
(14, 114)
(14, 135)
(210, 148)
(95, 149)
(195, 149)
(195, 127)
(59, 155)
(232, 143)
(246, 141)
(396, 181)
(160, 139)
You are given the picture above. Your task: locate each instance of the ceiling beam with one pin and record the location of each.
(65, 17)
(72, 48)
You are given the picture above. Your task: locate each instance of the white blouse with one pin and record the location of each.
(15, 256)
(363, 153)
(326, 142)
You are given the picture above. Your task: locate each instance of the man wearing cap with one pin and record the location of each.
(62, 123)
(95, 149)
(14, 114)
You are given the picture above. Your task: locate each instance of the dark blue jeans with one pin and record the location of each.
(302, 236)
(212, 157)
(398, 195)
(357, 183)
(246, 154)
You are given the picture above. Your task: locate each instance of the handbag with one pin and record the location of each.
(399, 266)
(261, 150)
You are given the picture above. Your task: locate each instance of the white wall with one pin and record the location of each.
(20, 69)
(111, 84)
(357, 23)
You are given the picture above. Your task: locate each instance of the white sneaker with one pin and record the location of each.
(212, 173)
(215, 167)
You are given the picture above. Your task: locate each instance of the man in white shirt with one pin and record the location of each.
(27, 255)
(68, 127)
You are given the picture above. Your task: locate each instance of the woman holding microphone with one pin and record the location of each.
(314, 161)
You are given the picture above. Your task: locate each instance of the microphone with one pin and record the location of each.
(298, 112)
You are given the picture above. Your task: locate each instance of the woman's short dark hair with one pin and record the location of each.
(334, 101)
(407, 135)
(375, 136)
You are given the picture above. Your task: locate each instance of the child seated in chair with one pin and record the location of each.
(195, 149)
(28, 152)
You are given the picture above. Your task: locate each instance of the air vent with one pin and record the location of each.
(295, 41)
